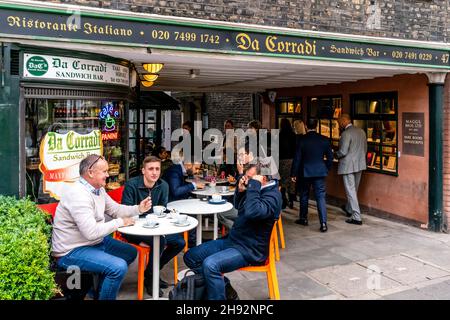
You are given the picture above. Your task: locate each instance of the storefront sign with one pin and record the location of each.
(61, 155)
(413, 133)
(69, 69)
(20, 21)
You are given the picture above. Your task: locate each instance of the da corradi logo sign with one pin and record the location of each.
(37, 66)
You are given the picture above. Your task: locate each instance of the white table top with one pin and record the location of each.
(209, 191)
(166, 226)
(196, 206)
(201, 180)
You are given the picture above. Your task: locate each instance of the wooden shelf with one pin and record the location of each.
(76, 119)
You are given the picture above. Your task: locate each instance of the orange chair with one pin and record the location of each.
(269, 268)
(143, 258)
(281, 232)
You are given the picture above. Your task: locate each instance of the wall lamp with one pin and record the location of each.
(153, 67)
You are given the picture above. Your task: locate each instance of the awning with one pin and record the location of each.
(158, 100)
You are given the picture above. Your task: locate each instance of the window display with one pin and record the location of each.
(376, 114)
(289, 109)
(326, 109)
(79, 127)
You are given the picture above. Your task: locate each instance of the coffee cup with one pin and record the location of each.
(223, 189)
(159, 210)
(150, 220)
(181, 219)
(216, 197)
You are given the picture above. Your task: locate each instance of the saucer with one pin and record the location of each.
(185, 224)
(161, 216)
(156, 225)
(211, 201)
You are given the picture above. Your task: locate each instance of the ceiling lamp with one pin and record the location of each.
(193, 73)
(152, 67)
(147, 83)
(150, 77)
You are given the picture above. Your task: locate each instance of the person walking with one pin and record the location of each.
(352, 161)
(313, 159)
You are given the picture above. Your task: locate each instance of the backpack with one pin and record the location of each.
(191, 287)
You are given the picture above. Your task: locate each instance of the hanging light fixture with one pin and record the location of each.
(152, 67)
(147, 83)
(150, 77)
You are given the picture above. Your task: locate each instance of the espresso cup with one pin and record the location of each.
(181, 218)
(159, 210)
(150, 220)
(216, 197)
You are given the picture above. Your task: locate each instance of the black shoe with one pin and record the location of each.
(353, 221)
(348, 214)
(291, 205)
(303, 222)
(149, 290)
(148, 281)
(323, 227)
(230, 293)
(163, 284)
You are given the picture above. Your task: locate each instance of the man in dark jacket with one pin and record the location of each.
(259, 206)
(310, 169)
(178, 188)
(138, 188)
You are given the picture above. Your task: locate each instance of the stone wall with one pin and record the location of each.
(425, 20)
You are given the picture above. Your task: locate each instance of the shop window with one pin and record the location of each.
(376, 114)
(79, 116)
(326, 109)
(290, 109)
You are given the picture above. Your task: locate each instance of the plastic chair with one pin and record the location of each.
(50, 208)
(116, 194)
(143, 258)
(281, 232)
(269, 268)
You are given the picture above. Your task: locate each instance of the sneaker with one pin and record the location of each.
(230, 293)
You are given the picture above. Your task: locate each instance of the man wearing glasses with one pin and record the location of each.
(80, 233)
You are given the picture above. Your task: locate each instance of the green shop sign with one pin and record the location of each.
(59, 25)
(36, 66)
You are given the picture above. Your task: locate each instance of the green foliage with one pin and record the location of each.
(24, 251)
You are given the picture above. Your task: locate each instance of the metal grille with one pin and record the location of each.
(14, 64)
(62, 93)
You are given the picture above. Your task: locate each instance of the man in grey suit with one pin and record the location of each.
(352, 161)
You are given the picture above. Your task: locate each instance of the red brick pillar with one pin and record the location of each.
(446, 155)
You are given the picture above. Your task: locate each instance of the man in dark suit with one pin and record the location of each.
(313, 159)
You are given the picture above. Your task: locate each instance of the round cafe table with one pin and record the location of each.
(199, 208)
(209, 191)
(166, 227)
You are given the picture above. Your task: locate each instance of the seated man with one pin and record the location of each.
(259, 206)
(178, 188)
(244, 157)
(81, 235)
(139, 188)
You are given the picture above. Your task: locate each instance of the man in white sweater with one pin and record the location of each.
(80, 233)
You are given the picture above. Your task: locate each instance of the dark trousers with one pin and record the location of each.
(318, 185)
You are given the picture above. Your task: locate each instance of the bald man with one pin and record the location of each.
(352, 161)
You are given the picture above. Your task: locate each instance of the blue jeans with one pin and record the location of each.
(170, 246)
(318, 185)
(213, 259)
(110, 259)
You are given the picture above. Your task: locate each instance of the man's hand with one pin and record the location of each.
(128, 221)
(294, 179)
(240, 168)
(258, 177)
(200, 185)
(145, 205)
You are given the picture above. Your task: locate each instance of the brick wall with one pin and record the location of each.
(234, 106)
(410, 19)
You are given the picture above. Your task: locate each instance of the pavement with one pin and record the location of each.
(380, 259)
